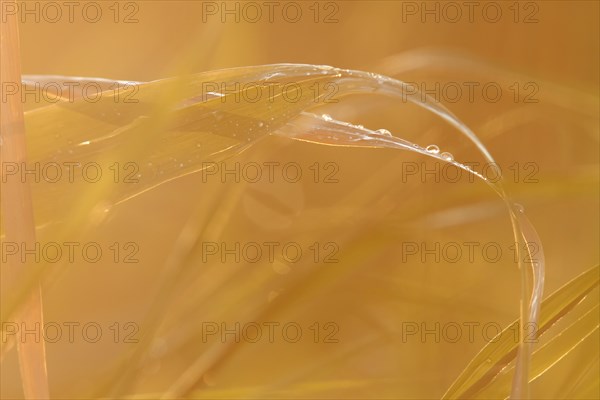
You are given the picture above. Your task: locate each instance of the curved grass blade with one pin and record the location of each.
(126, 129)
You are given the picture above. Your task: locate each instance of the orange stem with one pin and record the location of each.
(17, 211)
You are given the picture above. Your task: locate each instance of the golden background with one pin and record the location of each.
(371, 291)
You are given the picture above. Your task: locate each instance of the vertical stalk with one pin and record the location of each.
(17, 211)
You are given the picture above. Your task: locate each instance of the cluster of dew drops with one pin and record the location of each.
(431, 149)
(434, 149)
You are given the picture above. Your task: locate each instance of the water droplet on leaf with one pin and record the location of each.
(384, 132)
(433, 149)
(447, 156)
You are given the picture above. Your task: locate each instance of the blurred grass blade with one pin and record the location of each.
(440, 59)
(17, 214)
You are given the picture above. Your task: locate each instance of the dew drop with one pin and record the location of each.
(326, 117)
(433, 149)
(447, 156)
(384, 132)
(519, 208)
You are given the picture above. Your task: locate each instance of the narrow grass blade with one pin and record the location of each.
(501, 350)
(17, 214)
